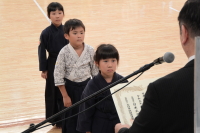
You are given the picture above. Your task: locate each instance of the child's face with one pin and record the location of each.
(56, 17)
(107, 66)
(76, 36)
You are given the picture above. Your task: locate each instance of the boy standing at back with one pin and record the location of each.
(73, 69)
(52, 40)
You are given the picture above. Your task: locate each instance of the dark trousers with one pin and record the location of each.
(74, 91)
(53, 97)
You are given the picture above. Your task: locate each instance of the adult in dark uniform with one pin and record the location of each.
(103, 117)
(52, 40)
(168, 105)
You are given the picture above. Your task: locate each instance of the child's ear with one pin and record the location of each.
(96, 63)
(66, 36)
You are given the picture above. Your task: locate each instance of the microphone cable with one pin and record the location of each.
(92, 105)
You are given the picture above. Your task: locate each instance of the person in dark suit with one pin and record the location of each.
(168, 105)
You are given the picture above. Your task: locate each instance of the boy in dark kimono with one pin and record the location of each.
(103, 117)
(52, 40)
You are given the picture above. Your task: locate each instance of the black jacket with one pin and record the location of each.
(168, 105)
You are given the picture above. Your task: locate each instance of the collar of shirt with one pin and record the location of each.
(191, 58)
(56, 28)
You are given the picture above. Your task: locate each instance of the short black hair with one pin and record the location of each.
(53, 6)
(71, 24)
(189, 16)
(105, 51)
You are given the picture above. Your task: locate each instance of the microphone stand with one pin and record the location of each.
(142, 69)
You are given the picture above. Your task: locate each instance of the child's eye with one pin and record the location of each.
(74, 33)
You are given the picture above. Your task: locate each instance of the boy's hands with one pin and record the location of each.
(44, 74)
(67, 101)
(119, 126)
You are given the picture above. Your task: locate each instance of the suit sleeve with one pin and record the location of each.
(85, 119)
(42, 53)
(148, 119)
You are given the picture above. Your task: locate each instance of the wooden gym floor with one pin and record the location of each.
(142, 30)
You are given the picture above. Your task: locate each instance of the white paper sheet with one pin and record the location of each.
(128, 101)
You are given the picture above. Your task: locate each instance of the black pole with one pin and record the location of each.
(142, 69)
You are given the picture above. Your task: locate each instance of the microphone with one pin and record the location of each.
(168, 58)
